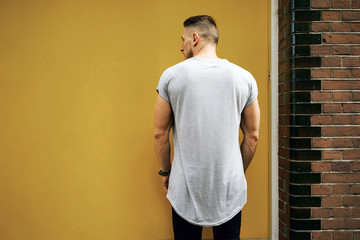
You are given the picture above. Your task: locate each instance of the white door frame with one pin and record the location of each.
(274, 119)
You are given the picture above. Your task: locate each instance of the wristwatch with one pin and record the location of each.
(164, 174)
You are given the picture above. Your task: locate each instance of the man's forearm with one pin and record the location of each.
(248, 147)
(162, 148)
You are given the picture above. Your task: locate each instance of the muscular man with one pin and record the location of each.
(205, 99)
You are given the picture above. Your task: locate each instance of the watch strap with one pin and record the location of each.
(164, 173)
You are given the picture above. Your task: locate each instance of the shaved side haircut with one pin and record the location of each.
(205, 25)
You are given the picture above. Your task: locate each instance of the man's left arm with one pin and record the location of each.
(163, 120)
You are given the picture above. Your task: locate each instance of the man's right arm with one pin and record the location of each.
(250, 123)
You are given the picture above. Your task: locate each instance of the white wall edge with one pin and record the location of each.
(274, 120)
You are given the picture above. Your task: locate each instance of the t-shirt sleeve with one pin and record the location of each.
(253, 90)
(162, 87)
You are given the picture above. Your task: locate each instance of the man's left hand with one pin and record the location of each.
(166, 183)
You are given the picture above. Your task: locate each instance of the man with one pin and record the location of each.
(205, 99)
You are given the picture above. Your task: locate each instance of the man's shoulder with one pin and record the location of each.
(238, 68)
(178, 67)
(243, 75)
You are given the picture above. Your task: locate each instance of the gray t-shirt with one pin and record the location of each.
(207, 185)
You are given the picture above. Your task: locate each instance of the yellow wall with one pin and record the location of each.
(77, 90)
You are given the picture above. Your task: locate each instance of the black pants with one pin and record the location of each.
(184, 230)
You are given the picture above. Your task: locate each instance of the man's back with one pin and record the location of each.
(207, 183)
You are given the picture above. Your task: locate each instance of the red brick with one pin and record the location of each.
(356, 212)
(285, 19)
(284, 219)
(331, 15)
(341, 166)
(342, 38)
(356, 235)
(321, 142)
(351, 154)
(341, 212)
(284, 40)
(321, 73)
(340, 178)
(282, 109)
(355, 189)
(351, 61)
(340, 4)
(284, 66)
(331, 201)
(341, 119)
(355, 27)
(281, 205)
(340, 85)
(283, 87)
(321, 213)
(340, 131)
(320, 4)
(351, 201)
(356, 141)
(283, 131)
(281, 234)
(356, 119)
(320, 50)
(282, 185)
(342, 73)
(331, 62)
(341, 96)
(356, 96)
(284, 175)
(284, 56)
(321, 190)
(321, 27)
(321, 120)
(284, 98)
(321, 235)
(283, 196)
(282, 35)
(341, 189)
(341, 50)
(355, 50)
(355, 3)
(321, 96)
(355, 166)
(321, 166)
(351, 107)
(331, 155)
(284, 216)
(332, 108)
(283, 141)
(342, 143)
(350, 15)
(342, 235)
(356, 73)
(343, 223)
(340, 27)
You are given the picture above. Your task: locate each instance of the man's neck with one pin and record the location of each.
(206, 51)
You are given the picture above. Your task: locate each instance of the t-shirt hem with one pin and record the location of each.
(250, 101)
(163, 95)
(202, 223)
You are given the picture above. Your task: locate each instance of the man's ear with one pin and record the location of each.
(196, 38)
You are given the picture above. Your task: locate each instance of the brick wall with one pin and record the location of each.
(319, 119)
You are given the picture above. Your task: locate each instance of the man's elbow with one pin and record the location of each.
(160, 134)
(253, 137)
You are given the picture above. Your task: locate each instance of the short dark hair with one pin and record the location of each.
(205, 24)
